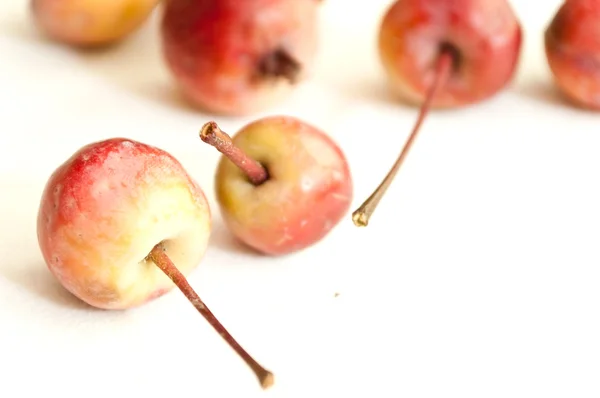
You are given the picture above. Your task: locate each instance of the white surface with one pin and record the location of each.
(478, 276)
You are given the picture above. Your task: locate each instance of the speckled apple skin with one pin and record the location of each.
(213, 49)
(90, 23)
(105, 208)
(486, 33)
(572, 44)
(309, 190)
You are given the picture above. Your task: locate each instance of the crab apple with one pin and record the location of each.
(90, 23)
(282, 184)
(103, 211)
(483, 38)
(572, 44)
(121, 223)
(238, 57)
(444, 54)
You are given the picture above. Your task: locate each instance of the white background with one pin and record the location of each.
(477, 277)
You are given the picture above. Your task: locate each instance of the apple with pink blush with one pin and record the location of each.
(90, 23)
(282, 184)
(443, 54)
(121, 223)
(238, 57)
(572, 44)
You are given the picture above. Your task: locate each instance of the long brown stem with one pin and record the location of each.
(213, 135)
(162, 261)
(361, 216)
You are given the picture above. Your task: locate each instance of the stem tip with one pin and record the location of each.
(267, 380)
(208, 131)
(360, 218)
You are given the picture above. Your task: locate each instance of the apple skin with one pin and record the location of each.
(90, 23)
(486, 35)
(213, 49)
(105, 208)
(572, 45)
(309, 190)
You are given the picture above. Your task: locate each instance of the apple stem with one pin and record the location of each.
(159, 256)
(213, 135)
(361, 216)
(280, 63)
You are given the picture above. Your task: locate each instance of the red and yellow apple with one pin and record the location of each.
(238, 57)
(90, 23)
(306, 191)
(104, 210)
(483, 36)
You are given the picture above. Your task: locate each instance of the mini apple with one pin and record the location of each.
(121, 223)
(90, 23)
(282, 184)
(238, 57)
(482, 38)
(572, 44)
(443, 54)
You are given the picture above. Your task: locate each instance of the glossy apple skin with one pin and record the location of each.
(90, 23)
(105, 208)
(309, 190)
(486, 34)
(572, 44)
(213, 49)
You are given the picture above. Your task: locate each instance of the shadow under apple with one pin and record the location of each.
(37, 279)
(134, 63)
(223, 240)
(23, 263)
(541, 90)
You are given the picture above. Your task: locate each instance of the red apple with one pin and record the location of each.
(483, 36)
(106, 207)
(282, 184)
(572, 43)
(443, 54)
(90, 23)
(238, 57)
(121, 223)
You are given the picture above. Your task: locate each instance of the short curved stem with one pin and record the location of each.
(361, 216)
(214, 136)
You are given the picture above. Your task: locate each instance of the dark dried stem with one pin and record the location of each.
(213, 135)
(361, 216)
(162, 261)
(280, 64)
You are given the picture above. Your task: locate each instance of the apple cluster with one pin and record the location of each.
(122, 222)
